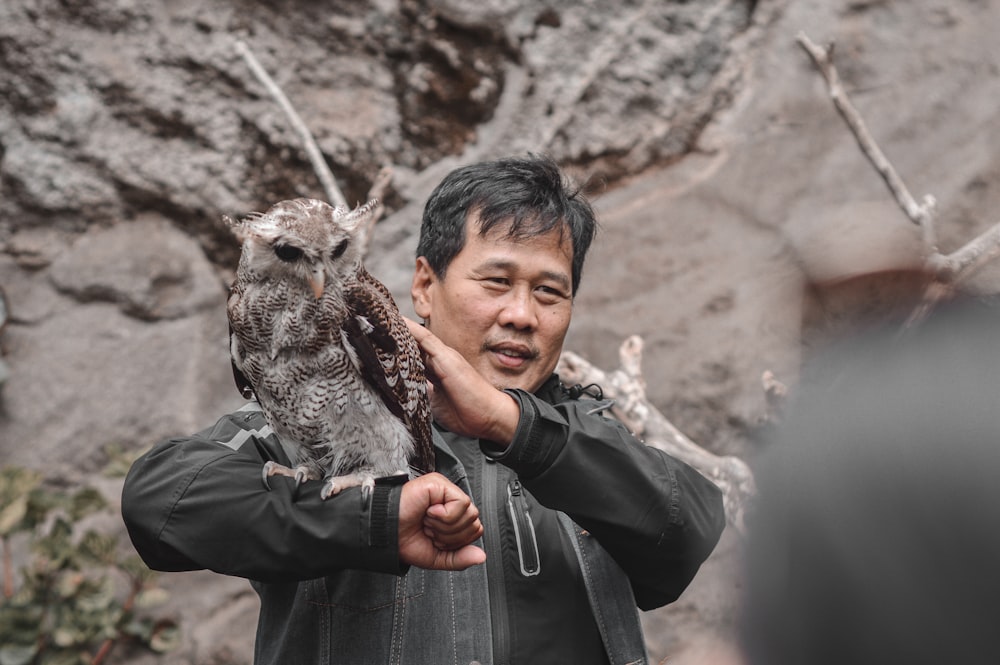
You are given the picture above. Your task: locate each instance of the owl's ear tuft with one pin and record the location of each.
(355, 218)
(237, 227)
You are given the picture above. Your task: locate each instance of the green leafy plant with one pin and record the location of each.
(77, 596)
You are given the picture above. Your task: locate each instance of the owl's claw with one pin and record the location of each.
(267, 472)
(334, 485)
(331, 488)
(301, 476)
(271, 468)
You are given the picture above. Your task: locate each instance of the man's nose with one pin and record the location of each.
(519, 310)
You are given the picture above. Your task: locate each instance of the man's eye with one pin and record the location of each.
(552, 294)
(287, 252)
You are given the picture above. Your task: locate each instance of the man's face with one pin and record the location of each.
(505, 305)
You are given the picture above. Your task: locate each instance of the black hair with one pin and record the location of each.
(528, 194)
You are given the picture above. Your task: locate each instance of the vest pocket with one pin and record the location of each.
(364, 591)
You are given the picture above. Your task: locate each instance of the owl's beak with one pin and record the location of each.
(316, 280)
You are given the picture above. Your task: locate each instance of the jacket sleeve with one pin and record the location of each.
(201, 503)
(656, 516)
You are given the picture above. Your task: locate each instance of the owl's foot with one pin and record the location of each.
(300, 473)
(336, 484)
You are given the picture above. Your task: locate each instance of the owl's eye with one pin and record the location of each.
(287, 252)
(339, 250)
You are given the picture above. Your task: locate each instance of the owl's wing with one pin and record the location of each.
(391, 361)
(242, 382)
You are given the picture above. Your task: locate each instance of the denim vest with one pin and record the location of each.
(425, 617)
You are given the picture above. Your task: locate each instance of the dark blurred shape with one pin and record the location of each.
(4, 317)
(876, 536)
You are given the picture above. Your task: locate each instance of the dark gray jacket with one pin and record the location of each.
(636, 522)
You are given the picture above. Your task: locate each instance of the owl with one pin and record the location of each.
(322, 346)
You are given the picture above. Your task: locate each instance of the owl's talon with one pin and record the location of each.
(301, 476)
(272, 468)
(334, 485)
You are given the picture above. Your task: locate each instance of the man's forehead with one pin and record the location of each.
(503, 236)
(525, 229)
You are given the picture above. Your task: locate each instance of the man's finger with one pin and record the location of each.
(467, 520)
(461, 559)
(453, 509)
(419, 332)
(455, 540)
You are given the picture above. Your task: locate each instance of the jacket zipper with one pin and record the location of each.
(524, 530)
(494, 564)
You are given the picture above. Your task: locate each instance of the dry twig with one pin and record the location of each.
(333, 193)
(628, 388)
(382, 181)
(949, 270)
(377, 192)
(921, 214)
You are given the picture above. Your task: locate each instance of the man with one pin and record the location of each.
(580, 522)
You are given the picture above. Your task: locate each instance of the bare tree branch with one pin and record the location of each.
(628, 388)
(921, 214)
(963, 261)
(323, 172)
(377, 192)
(948, 270)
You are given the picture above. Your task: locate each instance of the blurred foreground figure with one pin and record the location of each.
(877, 534)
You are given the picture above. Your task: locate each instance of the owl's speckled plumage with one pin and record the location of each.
(322, 345)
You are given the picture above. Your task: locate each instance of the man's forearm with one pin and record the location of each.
(194, 504)
(658, 517)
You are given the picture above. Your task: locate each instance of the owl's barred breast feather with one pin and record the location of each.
(323, 346)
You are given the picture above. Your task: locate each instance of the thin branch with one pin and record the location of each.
(628, 388)
(951, 270)
(333, 193)
(948, 270)
(921, 214)
(8, 568)
(378, 191)
(963, 261)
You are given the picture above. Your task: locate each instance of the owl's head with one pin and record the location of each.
(303, 239)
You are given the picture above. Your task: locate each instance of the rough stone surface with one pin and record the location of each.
(740, 221)
(161, 274)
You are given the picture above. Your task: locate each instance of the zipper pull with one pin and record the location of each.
(524, 530)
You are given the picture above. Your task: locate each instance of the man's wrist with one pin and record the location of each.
(505, 422)
(381, 528)
(523, 425)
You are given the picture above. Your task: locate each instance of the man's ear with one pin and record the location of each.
(424, 279)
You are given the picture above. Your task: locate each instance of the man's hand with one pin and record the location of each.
(463, 401)
(437, 525)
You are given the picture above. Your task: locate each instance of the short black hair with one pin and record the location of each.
(530, 194)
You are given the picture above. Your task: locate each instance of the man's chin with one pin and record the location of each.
(504, 380)
(519, 381)
(526, 376)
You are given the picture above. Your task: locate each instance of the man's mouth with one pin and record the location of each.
(512, 355)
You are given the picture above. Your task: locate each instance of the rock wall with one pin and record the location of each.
(737, 210)
(129, 127)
